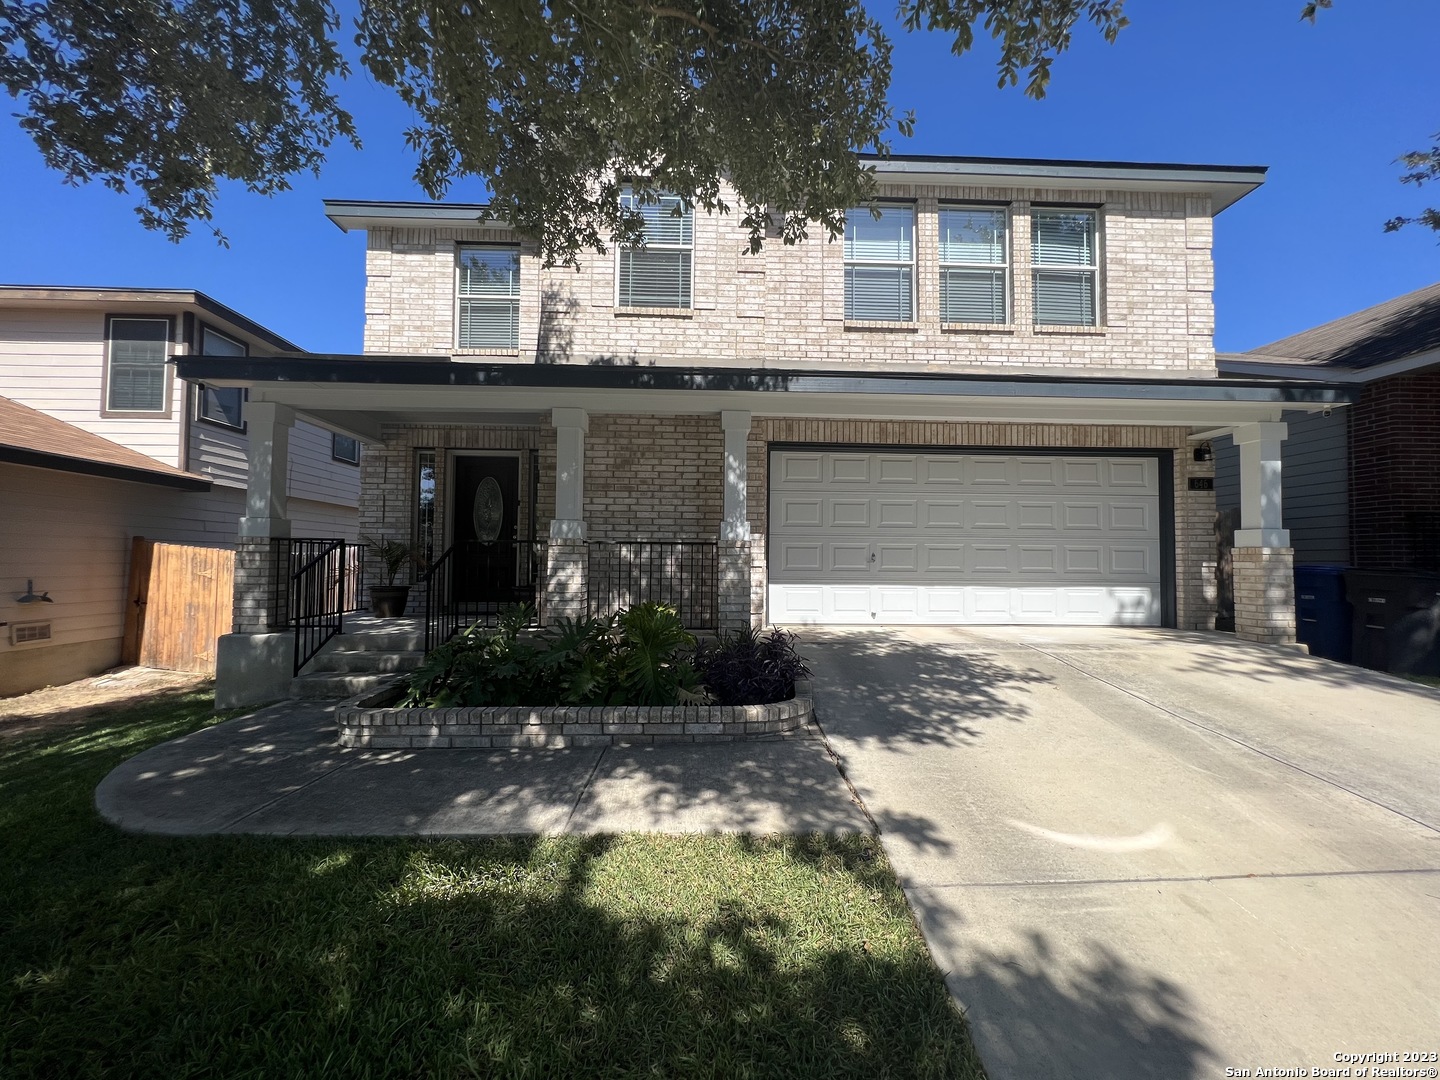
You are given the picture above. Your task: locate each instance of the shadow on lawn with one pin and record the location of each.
(597, 956)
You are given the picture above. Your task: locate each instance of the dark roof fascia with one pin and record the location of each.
(441, 371)
(205, 303)
(476, 215)
(19, 455)
(1044, 165)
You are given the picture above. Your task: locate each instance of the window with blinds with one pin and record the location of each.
(488, 304)
(659, 274)
(974, 264)
(1067, 267)
(137, 377)
(880, 264)
(222, 405)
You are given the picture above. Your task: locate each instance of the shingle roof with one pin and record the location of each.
(30, 437)
(1406, 326)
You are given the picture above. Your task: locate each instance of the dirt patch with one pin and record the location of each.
(58, 706)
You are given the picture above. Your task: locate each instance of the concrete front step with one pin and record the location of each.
(380, 641)
(338, 685)
(366, 661)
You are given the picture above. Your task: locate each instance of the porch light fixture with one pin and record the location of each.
(1204, 452)
(31, 597)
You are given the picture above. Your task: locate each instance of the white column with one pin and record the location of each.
(570, 428)
(735, 526)
(266, 503)
(1261, 523)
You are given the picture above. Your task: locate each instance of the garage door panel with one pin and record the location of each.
(1038, 559)
(897, 513)
(848, 513)
(1031, 515)
(1082, 515)
(800, 468)
(1083, 473)
(989, 472)
(1140, 473)
(897, 558)
(796, 557)
(1130, 516)
(948, 470)
(953, 538)
(848, 558)
(943, 513)
(991, 515)
(849, 468)
(800, 513)
(898, 470)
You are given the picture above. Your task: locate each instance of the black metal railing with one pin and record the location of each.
(316, 582)
(473, 582)
(683, 574)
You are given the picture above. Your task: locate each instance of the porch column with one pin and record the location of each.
(566, 562)
(1263, 561)
(733, 550)
(266, 505)
(254, 664)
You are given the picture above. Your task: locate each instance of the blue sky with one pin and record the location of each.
(1327, 107)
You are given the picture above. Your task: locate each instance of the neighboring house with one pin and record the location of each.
(104, 442)
(1362, 485)
(982, 405)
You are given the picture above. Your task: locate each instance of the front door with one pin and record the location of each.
(487, 505)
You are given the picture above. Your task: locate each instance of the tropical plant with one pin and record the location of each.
(393, 555)
(747, 667)
(640, 656)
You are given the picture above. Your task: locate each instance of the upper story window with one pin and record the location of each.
(344, 448)
(488, 298)
(137, 378)
(880, 264)
(1063, 248)
(974, 264)
(222, 404)
(659, 274)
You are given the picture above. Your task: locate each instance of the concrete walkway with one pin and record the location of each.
(1148, 853)
(280, 772)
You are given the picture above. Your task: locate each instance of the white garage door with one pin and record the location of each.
(861, 537)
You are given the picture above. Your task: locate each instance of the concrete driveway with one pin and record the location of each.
(1150, 853)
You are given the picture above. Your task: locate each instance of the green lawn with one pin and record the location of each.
(603, 956)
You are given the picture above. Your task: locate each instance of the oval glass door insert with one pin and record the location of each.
(489, 513)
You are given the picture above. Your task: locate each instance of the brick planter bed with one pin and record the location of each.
(372, 722)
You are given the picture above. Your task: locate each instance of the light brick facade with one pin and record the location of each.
(659, 478)
(1264, 594)
(785, 307)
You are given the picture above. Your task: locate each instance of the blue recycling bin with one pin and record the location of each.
(1322, 613)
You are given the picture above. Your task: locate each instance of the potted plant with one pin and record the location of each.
(389, 600)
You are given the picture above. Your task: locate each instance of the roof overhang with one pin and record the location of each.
(1225, 184)
(362, 393)
(121, 300)
(1257, 365)
(35, 459)
(351, 214)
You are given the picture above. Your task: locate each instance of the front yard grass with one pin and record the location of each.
(644, 956)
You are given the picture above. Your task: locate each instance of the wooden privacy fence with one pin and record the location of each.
(178, 604)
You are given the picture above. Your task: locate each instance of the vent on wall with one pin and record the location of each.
(26, 632)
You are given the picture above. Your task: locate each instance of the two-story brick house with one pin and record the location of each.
(982, 405)
(102, 441)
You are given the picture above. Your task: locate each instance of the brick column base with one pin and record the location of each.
(733, 590)
(255, 587)
(1264, 594)
(563, 587)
